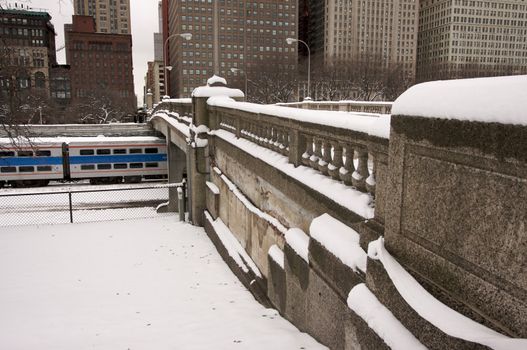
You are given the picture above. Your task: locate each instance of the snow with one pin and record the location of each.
(209, 91)
(138, 284)
(181, 127)
(498, 99)
(339, 239)
(215, 80)
(368, 123)
(212, 187)
(234, 248)
(362, 301)
(93, 139)
(299, 241)
(251, 207)
(277, 255)
(447, 320)
(354, 200)
(178, 100)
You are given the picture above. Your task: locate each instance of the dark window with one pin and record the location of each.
(25, 153)
(7, 154)
(136, 150)
(43, 153)
(8, 169)
(150, 150)
(103, 151)
(87, 152)
(87, 167)
(104, 166)
(44, 168)
(151, 165)
(119, 151)
(120, 166)
(136, 165)
(26, 169)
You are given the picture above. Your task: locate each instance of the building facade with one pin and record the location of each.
(461, 38)
(383, 31)
(155, 80)
(111, 16)
(100, 63)
(246, 36)
(27, 49)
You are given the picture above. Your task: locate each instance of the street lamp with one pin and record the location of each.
(289, 42)
(234, 70)
(186, 36)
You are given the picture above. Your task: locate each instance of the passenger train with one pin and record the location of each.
(102, 160)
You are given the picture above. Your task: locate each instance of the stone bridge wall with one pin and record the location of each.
(450, 199)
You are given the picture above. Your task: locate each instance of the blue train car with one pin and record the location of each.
(99, 159)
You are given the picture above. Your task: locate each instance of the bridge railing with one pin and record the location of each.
(345, 155)
(344, 106)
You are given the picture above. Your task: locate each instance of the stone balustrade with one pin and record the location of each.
(343, 106)
(342, 154)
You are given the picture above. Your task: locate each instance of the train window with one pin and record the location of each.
(8, 169)
(87, 152)
(104, 166)
(119, 151)
(136, 150)
(26, 169)
(103, 151)
(44, 168)
(151, 150)
(43, 153)
(151, 165)
(25, 153)
(120, 166)
(136, 165)
(87, 167)
(7, 154)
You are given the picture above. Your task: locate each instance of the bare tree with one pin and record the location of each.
(99, 108)
(270, 84)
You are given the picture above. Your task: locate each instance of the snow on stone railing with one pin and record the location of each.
(341, 145)
(344, 106)
(182, 106)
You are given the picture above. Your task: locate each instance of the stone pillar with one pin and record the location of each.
(177, 164)
(149, 100)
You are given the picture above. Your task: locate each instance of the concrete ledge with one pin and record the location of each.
(256, 285)
(359, 336)
(276, 286)
(331, 269)
(380, 284)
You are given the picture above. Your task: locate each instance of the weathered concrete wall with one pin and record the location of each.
(457, 213)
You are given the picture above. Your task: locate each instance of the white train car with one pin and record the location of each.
(113, 159)
(32, 163)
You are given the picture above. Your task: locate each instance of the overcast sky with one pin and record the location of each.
(144, 24)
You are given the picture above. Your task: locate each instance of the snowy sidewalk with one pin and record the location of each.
(137, 284)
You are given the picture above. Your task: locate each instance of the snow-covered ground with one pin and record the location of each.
(136, 284)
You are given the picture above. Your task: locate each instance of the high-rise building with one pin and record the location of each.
(111, 16)
(247, 35)
(27, 49)
(101, 64)
(347, 31)
(461, 38)
(155, 80)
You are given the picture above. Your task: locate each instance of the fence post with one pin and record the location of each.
(71, 208)
(181, 200)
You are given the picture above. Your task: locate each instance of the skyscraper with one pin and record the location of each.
(383, 30)
(460, 38)
(111, 16)
(249, 36)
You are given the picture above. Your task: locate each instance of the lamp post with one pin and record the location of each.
(234, 70)
(186, 36)
(292, 40)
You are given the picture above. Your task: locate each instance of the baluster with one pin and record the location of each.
(370, 181)
(359, 176)
(348, 168)
(313, 160)
(326, 158)
(284, 142)
(336, 162)
(273, 141)
(309, 150)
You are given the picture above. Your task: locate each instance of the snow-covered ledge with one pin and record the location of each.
(498, 99)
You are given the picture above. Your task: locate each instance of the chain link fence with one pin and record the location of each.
(83, 205)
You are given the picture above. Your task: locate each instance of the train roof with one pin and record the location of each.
(76, 140)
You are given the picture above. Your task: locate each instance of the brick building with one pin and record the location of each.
(100, 63)
(247, 35)
(28, 42)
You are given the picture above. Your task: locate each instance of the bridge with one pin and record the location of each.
(366, 230)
